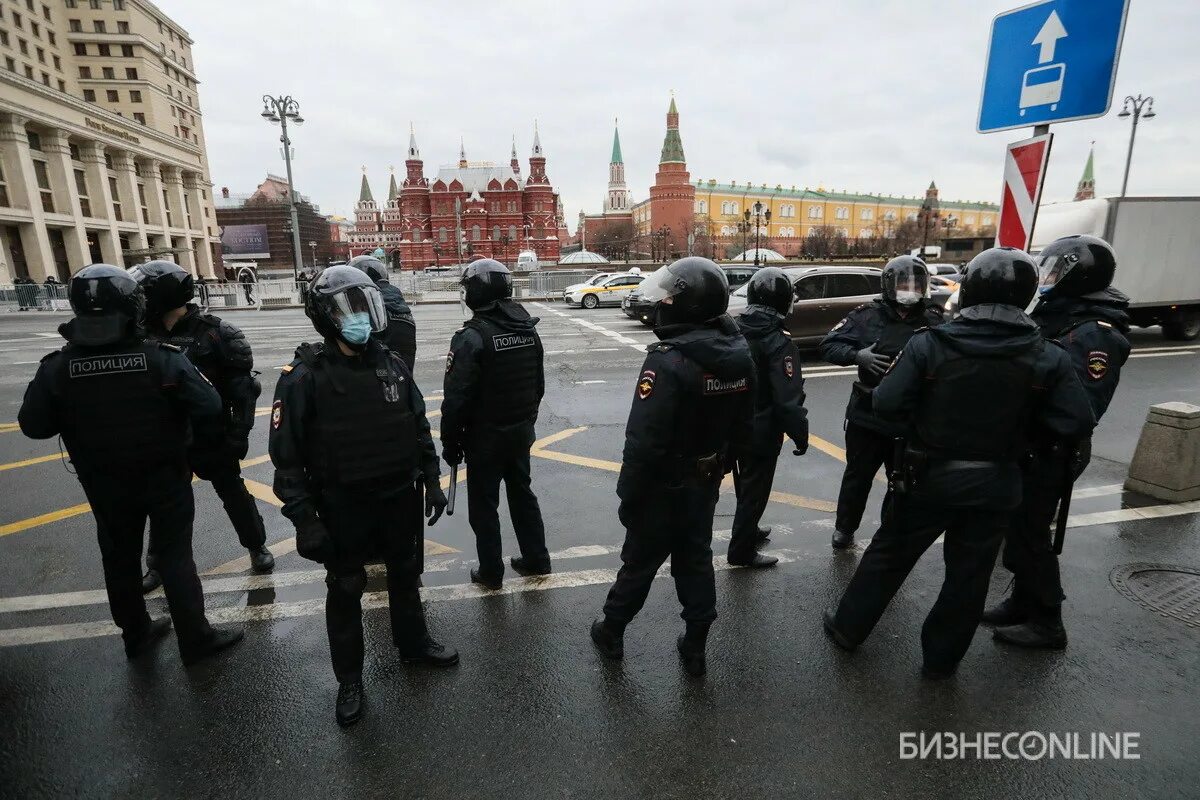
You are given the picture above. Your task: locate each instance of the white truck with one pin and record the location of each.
(1157, 240)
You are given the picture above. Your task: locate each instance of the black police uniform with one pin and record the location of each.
(220, 351)
(1092, 331)
(692, 405)
(870, 441)
(973, 390)
(778, 410)
(494, 384)
(122, 410)
(401, 331)
(352, 452)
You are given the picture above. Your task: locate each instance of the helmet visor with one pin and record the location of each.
(1052, 269)
(912, 286)
(355, 301)
(661, 286)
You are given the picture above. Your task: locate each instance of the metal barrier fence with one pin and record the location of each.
(289, 293)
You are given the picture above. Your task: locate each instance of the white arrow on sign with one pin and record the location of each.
(1047, 38)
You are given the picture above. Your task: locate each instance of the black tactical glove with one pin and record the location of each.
(452, 453)
(872, 362)
(312, 540)
(435, 500)
(237, 444)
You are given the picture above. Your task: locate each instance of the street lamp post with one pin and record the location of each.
(759, 216)
(1141, 107)
(312, 246)
(278, 110)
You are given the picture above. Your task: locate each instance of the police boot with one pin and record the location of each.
(349, 708)
(829, 620)
(151, 581)
(429, 653)
(261, 560)
(763, 535)
(217, 640)
(1043, 631)
(609, 638)
(841, 540)
(157, 629)
(486, 581)
(691, 648)
(525, 567)
(756, 561)
(1012, 610)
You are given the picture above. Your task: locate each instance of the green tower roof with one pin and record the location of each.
(1088, 169)
(392, 189)
(616, 153)
(672, 109)
(364, 194)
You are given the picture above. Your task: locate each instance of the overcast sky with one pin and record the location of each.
(867, 96)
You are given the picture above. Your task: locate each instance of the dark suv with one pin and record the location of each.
(824, 295)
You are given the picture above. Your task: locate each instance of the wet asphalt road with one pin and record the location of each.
(532, 710)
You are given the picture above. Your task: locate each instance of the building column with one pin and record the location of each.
(152, 178)
(23, 193)
(173, 182)
(92, 155)
(193, 184)
(62, 177)
(127, 187)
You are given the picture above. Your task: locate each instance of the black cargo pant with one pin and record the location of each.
(224, 472)
(1029, 544)
(972, 538)
(503, 455)
(866, 451)
(122, 506)
(365, 526)
(752, 483)
(661, 522)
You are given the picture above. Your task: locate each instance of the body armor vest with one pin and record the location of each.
(703, 419)
(509, 374)
(365, 425)
(116, 409)
(948, 419)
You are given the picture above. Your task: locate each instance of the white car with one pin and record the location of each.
(610, 290)
(592, 281)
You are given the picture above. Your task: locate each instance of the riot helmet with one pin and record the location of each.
(371, 265)
(109, 305)
(1074, 266)
(165, 284)
(999, 275)
(693, 289)
(905, 281)
(485, 281)
(344, 304)
(770, 287)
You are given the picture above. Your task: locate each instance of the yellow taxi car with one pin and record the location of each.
(608, 292)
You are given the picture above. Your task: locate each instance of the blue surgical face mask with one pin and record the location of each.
(356, 328)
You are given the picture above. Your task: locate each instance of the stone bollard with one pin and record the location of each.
(1166, 463)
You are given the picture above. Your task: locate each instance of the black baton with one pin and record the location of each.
(1064, 502)
(453, 490)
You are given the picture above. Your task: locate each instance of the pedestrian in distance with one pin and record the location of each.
(493, 387)
(222, 354)
(972, 394)
(692, 406)
(871, 336)
(355, 467)
(122, 406)
(1079, 310)
(778, 410)
(400, 335)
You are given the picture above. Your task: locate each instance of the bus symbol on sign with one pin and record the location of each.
(1042, 86)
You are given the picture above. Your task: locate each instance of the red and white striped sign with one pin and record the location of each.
(1024, 172)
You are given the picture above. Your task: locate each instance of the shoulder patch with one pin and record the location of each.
(713, 385)
(645, 386)
(169, 346)
(1097, 364)
(789, 367)
(276, 415)
(449, 361)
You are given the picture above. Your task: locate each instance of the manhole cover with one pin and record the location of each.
(1167, 589)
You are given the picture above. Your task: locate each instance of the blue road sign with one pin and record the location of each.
(1051, 61)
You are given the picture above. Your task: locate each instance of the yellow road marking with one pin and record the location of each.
(44, 519)
(579, 461)
(9, 427)
(557, 437)
(30, 462)
(803, 502)
(832, 449)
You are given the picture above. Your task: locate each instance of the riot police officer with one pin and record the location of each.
(220, 351)
(692, 405)
(972, 392)
(778, 409)
(871, 336)
(401, 331)
(493, 386)
(1080, 310)
(121, 405)
(353, 458)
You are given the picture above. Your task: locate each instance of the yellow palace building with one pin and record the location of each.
(797, 213)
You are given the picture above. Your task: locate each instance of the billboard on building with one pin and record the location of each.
(245, 241)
